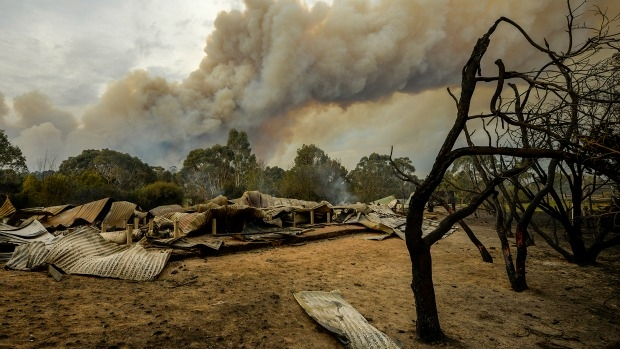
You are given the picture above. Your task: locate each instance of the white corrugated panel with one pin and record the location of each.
(86, 252)
(334, 313)
(28, 256)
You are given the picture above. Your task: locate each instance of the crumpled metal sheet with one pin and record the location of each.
(162, 210)
(88, 212)
(186, 243)
(333, 312)
(7, 208)
(85, 252)
(189, 222)
(384, 201)
(119, 214)
(39, 213)
(382, 218)
(118, 237)
(258, 227)
(260, 200)
(28, 256)
(33, 231)
(30, 230)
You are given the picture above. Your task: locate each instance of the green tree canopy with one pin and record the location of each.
(269, 182)
(227, 169)
(315, 177)
(206, 172)
(243, 163)
(159, 194)
(121, 171)
(11, 157)
(374, 178)
(12, 166)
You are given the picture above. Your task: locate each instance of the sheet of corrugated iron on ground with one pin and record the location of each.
(28, 256)
(333, 312)
(13, 237)
(85, 252)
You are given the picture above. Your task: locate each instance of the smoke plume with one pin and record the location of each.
(276, 66)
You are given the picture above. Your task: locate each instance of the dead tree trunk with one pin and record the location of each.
(427, 324)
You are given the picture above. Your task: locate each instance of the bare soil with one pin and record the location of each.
(245, 300)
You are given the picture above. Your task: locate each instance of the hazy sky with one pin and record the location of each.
(158, 78)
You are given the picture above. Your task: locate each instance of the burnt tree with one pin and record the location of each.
(540, 117)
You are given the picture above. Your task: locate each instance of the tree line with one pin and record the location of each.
(228, 170)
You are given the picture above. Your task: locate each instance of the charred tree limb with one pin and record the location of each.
(484, 253)
(450, 220)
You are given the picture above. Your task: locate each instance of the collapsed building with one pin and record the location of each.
(117, 239)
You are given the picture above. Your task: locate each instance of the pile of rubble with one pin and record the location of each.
(110, 238)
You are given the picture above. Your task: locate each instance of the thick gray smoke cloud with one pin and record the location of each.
(273, 65)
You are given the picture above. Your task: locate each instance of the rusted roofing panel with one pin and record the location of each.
(162, 210)
(29, 214)
(334, 313)
(189, 222)
(220, 200)
(119, 214)
(7, 208)
(54, 210)
(260, 200)
(86, 252)
(87, 212)
(43, 211)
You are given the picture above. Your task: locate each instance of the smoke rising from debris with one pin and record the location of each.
(273, 65)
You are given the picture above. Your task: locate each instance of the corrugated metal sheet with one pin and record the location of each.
(34, 231)
(162, 210)
(189, 222)
(163, 223)
(334, 313)
(88, 212)
(86, 252)
(54, 210)
(118, 237)
(186, 243)
(382, 218)
(120, 212)
(28, 256)
(384, 201)
(7, 208)
(236, 211)
(38, 213)
(260, 200)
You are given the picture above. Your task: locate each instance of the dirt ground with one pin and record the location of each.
(245, 300)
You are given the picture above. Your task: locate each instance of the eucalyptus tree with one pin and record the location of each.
(12, 165)
(373, 178)
(315, 177)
